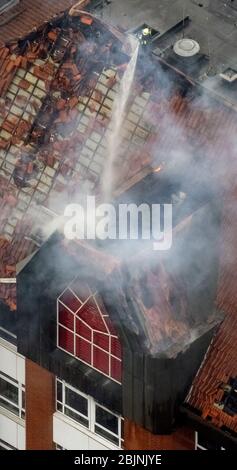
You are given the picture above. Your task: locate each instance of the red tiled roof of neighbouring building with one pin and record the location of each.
(28, 14)
(220, 363)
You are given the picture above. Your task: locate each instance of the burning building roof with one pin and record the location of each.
(58, 87)
(152, 305)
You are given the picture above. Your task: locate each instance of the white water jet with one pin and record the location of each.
(118, 111)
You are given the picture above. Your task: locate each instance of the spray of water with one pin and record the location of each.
(119, 108)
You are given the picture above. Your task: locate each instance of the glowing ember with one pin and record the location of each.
(158, 169)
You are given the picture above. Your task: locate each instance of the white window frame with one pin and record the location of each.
(119, 435)
(6, 445)
(6, 332)
(92, 404)
(200, 447)
(65, 406)
(59, 447)
(76, 335)
(20, 411)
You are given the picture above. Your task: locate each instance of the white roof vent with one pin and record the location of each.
(186, 48)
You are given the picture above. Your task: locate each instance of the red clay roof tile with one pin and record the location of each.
(29, 14)
(220, 363)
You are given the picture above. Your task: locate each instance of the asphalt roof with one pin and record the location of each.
(211, 24)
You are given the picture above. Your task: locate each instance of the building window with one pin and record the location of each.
(107, 424)
(85, 330)
(6, 4)
(12, 395)
(72, 403)
(7, 335)
(5, 446)
(202, 443)
(86, 411)
(58, 447)
(228, 402)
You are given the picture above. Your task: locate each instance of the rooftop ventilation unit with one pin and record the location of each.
(186, 48)
(229, 75)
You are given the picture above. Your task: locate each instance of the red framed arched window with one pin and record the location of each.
(84, 330)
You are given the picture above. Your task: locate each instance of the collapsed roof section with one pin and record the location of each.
(167, 298)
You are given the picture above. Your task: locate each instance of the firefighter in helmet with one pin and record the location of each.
(145, 36)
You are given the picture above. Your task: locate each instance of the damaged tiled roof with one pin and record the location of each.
(58, 144)
(220, 364)
(56, 95)
(35, 132)
(164, 287)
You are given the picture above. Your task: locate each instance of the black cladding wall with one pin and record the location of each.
(154, 388)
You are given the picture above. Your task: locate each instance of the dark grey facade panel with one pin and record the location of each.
(161, 385)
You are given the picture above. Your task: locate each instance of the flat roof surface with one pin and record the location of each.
(213, 24)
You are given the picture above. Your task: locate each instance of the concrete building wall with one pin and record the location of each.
(72, 436)
(11, 363)
(12, 427)
(12, 432)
